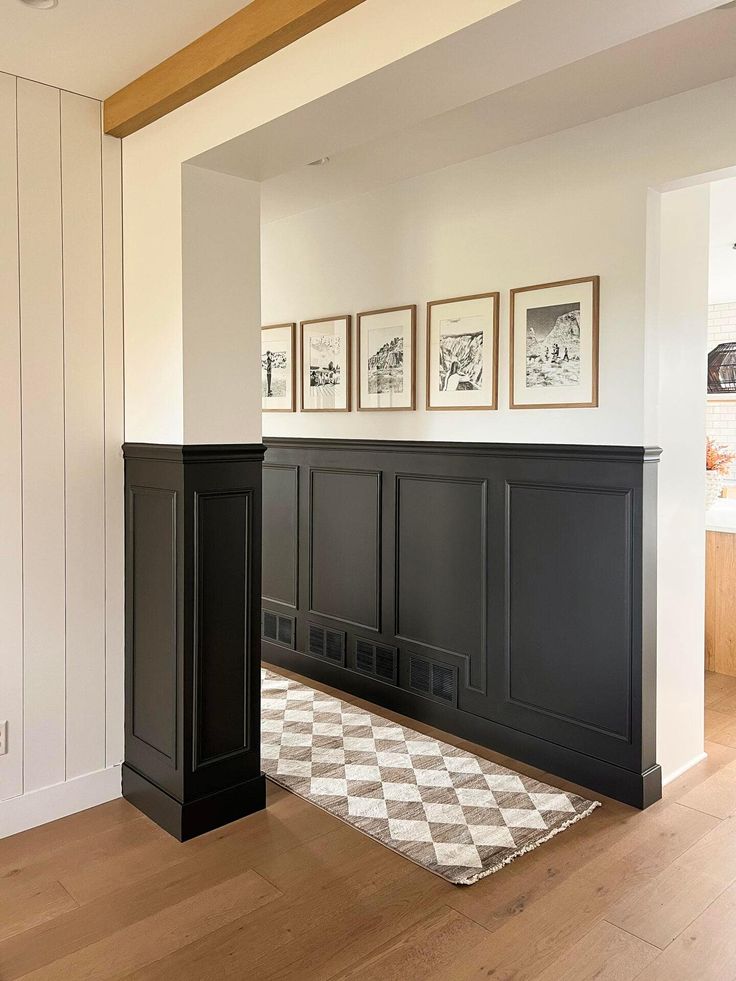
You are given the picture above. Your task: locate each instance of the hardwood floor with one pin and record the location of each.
(294, 893)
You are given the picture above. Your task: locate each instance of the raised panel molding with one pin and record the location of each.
(523, 572)
(281, 529)
(222, 560)
(153, 662)
(589, 621)
(345, 546)
(458, 590)
(199, 568)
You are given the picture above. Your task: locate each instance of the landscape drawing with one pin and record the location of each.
(385, 361)
(553, 346)
(325, 351)
(274, 371)
(460, 355)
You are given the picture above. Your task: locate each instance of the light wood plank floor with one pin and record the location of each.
(294, 893)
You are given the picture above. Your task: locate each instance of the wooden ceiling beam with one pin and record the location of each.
(249, 36)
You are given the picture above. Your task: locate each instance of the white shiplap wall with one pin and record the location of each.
(61, 474)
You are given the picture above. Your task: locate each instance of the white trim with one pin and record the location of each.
(684, 768)
(59, 800)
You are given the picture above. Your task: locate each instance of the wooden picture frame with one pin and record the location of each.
(291, 383)
(558, 299)
(304, 328)
(469, 302)
(410, 329)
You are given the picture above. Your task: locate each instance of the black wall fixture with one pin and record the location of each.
(513, 585)
(193, 626)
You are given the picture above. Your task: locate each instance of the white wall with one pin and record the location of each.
(574, 204)
(61, 419)
(221, 307)
(682, 315)
(532, 214)
(722, 277)
(364, 40)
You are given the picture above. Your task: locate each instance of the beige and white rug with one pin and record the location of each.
(451, 812)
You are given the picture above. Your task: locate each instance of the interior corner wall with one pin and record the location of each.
(221, 307)
(581, 202)
(682, 316)
(61, 473)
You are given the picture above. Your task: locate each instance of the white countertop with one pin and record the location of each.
(722, 516)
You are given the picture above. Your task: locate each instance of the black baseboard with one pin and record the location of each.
(185, 821)
(637, 789)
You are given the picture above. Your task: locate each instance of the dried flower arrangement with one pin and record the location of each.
(717, 457)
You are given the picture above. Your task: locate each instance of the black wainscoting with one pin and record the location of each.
(503, 592)
(193, 597)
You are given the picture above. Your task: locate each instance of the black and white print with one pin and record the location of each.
(462, 343)
(274, 372)
(460, 355)
(386, 358)
(385, 361)
(325, 347)
(553, 346)
(324, 368)
(277, 368)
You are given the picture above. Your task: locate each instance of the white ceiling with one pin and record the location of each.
(95, 47)
(536, 67)
(642, 70)
(722, 286)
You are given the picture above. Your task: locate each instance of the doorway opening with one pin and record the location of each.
(692, 278)
(720, 519)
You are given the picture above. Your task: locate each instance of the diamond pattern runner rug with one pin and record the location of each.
(460, 816)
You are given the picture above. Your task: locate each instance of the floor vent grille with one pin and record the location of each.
(326, 643)
(277, 628)
(376, 660)
(435, 680)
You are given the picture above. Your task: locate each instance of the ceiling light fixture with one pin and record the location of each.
(40, 4)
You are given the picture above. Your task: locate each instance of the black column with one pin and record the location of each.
(192, 634)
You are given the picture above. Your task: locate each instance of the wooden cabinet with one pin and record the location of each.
(720, 602)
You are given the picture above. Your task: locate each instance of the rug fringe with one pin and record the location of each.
(470, 879)
(528, 848)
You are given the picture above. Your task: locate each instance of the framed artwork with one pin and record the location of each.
(462, 352)
(554, 345)
(325, 357)
(386, 355)
(278, 368)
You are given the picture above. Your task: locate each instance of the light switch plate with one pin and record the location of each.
(3, 738)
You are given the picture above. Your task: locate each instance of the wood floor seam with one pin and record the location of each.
(293, 894)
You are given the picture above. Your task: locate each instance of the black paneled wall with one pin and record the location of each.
(192, 651)
(502, 592)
